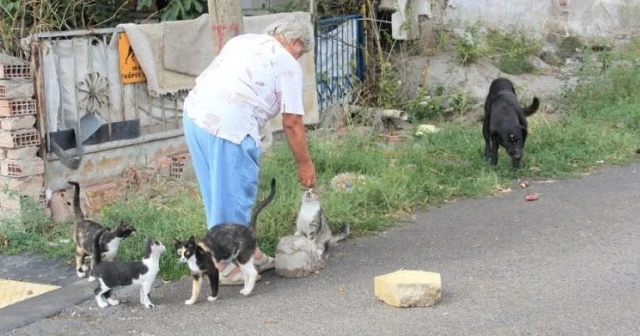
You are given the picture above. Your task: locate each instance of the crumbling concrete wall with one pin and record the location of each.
(586, 18)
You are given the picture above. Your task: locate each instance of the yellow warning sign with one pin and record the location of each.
(130, 70)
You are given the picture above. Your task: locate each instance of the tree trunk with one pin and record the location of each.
(225, 19)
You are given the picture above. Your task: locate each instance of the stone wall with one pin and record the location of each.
(21, 170)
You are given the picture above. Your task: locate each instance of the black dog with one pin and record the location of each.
(505, 122)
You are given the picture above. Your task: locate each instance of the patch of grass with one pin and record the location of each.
(512, 48)
(435, 41)
(600, 125)
(632, 50)
(470, 46)
(438, 105)
(569, 46)
(32, 231)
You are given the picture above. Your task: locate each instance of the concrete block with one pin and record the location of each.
(8, 214)
(9, 200)
(22, 168)
(19, 138)
(61, 210)
(16, 89)
(10, 71)
(20, 153)
(17, 107)
(17, 123)
(31, 186)
(296, 257)
(405, 21)
(406, 288)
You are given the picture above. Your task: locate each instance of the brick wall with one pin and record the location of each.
(21, 170)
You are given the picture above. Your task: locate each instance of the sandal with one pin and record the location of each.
(232, 276)
(265, 263)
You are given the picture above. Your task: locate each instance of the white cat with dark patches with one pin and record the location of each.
(312, 223)
(111, 274)
(227, 241)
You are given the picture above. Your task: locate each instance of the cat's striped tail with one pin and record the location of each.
(76, 200)
(97, 253)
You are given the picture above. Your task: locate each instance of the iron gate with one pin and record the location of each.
(339, 57)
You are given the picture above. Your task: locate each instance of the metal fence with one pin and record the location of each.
(86, 104)
(339, 57)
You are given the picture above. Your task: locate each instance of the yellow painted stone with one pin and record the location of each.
(12, 291)
(407, 288)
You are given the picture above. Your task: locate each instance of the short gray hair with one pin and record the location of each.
(291, 30)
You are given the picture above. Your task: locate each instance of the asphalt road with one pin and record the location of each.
(567, 264)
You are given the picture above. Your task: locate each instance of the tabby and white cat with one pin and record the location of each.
(112, 274)
(312, 223)
(84, 231)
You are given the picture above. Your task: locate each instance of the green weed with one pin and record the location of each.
(470, 46)
(512, 47)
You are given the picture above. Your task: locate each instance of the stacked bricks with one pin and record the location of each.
(21, 170)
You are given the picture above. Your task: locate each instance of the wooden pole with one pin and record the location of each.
(225, 19)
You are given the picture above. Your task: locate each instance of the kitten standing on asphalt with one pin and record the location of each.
(111, 274)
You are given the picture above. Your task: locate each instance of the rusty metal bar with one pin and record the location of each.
(76, 33)
(176, 113)
(106, 76)
(36, 52)
(164, 114)
(75, 86)
(60, 115)
(135, 100)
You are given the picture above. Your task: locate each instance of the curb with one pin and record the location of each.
(43, 306)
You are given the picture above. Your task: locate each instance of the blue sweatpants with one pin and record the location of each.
(227, 174)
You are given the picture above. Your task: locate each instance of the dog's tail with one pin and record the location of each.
(97, 253)
(262, 204)
(76, 200)
(342, 234)
(532, 108)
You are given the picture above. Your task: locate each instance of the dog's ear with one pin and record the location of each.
(524, 131)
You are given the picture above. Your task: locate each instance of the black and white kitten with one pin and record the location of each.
(312, 224)
(224, 242)
(112, 274)
(84, 231)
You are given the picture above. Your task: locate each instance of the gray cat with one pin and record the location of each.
(312, 224)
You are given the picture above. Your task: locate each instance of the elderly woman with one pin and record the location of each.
(255, 77)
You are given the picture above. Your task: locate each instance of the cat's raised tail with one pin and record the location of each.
(262, 204)
(97, 254)
(76, 200)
